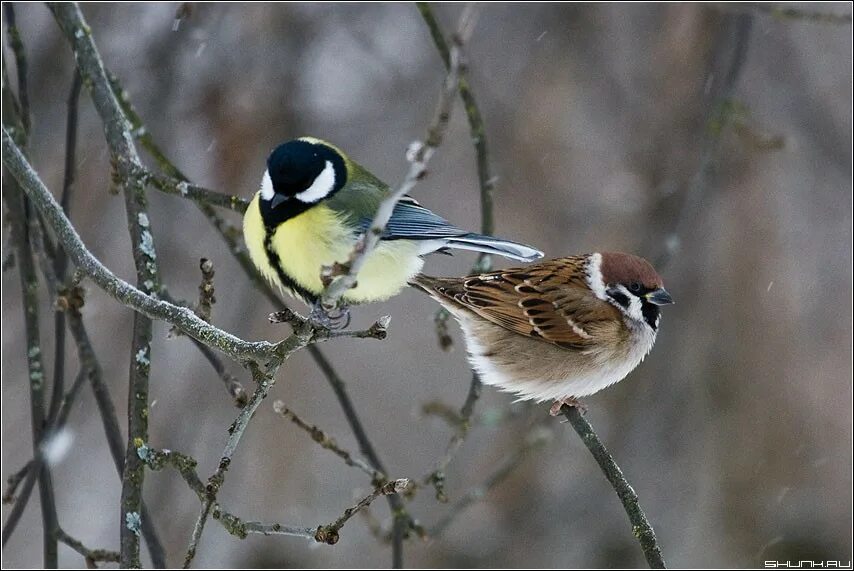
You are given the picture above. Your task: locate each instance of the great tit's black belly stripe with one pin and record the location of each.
(284, 278)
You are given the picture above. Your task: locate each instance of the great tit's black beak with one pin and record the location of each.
(659, 297)
(277, 200)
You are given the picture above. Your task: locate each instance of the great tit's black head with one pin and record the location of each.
(302, 172)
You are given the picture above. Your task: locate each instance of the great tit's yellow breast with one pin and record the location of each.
(320, 237)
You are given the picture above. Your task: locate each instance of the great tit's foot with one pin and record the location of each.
(338, 318)
(568, 401)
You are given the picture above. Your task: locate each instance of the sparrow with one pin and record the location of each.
(556, 330)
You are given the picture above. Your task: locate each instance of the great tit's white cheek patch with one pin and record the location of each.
(267, 192)
(321, 187)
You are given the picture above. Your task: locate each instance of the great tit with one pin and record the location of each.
(313, 205)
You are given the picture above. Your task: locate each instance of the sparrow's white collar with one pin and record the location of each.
(594, 276)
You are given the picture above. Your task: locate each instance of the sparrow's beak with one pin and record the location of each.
(659, 297)
(277, 200)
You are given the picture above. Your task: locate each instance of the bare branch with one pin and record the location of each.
(127, 170)
(641, 528)
(728, 61)
(206, 290)
(92, 556)
(126, 294)
(13, 481)
(264, 382)
(110, 420)
(329, 533)
(437, 476)
(418, 155)
(484, 262)
(19, 215)
(785, 13)
(535, 439)
(329, 443)
(20, 54)
(196, 193)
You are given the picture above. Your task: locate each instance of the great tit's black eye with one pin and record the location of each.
(635, 287)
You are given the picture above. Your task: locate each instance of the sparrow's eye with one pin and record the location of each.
(635, 287)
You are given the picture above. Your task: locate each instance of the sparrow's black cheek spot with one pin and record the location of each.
(651, 314)
(619, 297)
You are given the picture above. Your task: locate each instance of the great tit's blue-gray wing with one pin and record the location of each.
(411, 221)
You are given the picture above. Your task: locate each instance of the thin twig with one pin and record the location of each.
(206, 290)
(535, 439)
(60, 262)
(232, 385)
(127, 170)
(196, 193)
(22, 221)
(329, 443)
(53, 270)
(418, 155)
(399, 514)
(785, 13)
(437, 476)
(641, 528)
(17, 205)
(21, 217)
(216, 480)
(239, 528)
(379, 329)
(92, 556)
(329, 533)
(13, 481)
(264, 382)
(486, 182)
(110, 420)
(186, 467)
(20, 54)
(729, 58)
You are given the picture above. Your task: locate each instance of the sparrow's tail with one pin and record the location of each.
(440, 289)
(490, 245)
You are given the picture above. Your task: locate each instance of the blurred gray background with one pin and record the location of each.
(735, 431)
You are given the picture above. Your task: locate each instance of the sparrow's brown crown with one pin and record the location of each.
(620, 268)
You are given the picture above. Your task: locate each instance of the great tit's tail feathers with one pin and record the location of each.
(490, 245)
(411, 221)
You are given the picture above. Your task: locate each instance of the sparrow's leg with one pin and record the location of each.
(338, 318)
(568, 401)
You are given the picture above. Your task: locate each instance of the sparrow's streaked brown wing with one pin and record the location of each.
(549, 300)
